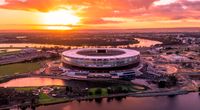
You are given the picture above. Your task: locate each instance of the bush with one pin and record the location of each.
(98, 91)
(90, 93)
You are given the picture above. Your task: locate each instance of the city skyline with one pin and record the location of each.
(98, 14)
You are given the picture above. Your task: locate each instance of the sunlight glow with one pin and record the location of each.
(60, 17)
(3, 2)
(58, 28)
(164, 2)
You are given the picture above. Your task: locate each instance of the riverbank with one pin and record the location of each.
(180, 102)
(149, 93)
(169, 93)
(4, 79)
(137, 42)
(45, 100)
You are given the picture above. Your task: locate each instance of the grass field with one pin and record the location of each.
(8, 53)
(45, 99)
(18, 68)
(104, 91)
(25, 88)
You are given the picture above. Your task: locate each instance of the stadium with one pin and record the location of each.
(100, 60)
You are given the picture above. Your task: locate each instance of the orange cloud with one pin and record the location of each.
(93, 11)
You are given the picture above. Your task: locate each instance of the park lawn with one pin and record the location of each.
(18, 68)
(138, 88)
(104, 91)
(45, 99)
(9, 53)
(25, 88)
(131, 88)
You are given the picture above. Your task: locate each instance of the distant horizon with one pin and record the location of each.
(178, 29)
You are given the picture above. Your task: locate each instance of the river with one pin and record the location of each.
(181, 102)
(33, 81)
(142, 43)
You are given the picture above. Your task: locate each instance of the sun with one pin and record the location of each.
(60, 19)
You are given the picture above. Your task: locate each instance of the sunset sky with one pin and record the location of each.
(98, 14)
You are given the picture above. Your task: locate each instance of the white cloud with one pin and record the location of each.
(164, 2)
(2, 2)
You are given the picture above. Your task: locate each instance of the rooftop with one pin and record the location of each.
(103, 53)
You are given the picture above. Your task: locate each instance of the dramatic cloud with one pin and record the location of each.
(93, 11)
(31, 5)
(46, 5)
(2, 2)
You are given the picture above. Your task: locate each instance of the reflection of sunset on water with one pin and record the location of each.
(142, 43)
(145, 43)
(25, 82)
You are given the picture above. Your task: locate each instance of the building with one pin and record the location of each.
(101, 62)
(175, 58)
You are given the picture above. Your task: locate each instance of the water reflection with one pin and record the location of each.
(27, 82)
(145, 43)
(98, 100)
(8, 50)
(142, 43)
(181, 102)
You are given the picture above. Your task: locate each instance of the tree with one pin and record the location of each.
(98, 91)
(162, 84)
(119, 89)
(110, 90)
(173, 80)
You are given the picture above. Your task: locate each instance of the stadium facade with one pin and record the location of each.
(103, 62)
